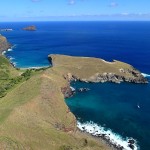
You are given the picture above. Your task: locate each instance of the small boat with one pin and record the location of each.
(138, 106)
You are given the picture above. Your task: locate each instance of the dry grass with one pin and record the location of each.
(84, 67)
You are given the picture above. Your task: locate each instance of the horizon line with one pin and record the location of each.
(79, 21)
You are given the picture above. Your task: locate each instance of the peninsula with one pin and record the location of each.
(96, 70)
(33, 113)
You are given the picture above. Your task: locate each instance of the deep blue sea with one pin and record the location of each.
(124, 108)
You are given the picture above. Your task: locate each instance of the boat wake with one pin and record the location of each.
(107, 134)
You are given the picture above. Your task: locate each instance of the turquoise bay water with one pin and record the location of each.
(113, 106)
(116, 107)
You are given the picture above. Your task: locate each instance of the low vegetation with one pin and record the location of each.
(10, 77)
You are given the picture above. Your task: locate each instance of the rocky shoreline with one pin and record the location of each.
(111, 139)
(110, 77)
(98, 78)
(72, 73)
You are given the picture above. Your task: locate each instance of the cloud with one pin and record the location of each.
(71, 2)
(113, 4)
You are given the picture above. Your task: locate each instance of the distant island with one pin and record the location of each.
(30, 28)
(33, 106)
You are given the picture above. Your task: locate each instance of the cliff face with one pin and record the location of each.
(4, 45)
(95, 70)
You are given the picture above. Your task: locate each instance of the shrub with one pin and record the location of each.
(65, 147)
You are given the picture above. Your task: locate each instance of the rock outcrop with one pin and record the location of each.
(30, 28)
(4, 45)
(67, 91)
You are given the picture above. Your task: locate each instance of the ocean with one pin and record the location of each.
(121, 110)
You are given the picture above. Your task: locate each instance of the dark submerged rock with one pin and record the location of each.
(83, 89)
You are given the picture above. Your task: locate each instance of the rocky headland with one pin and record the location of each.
(94, 70)
(30, 28)
(4, 44)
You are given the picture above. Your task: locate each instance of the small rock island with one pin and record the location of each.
(30, 28)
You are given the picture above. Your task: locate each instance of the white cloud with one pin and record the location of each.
(71, 2)
(113, 4)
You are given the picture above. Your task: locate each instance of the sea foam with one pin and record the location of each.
(145, 75)
(108, 135)
(11, 58)
(10, 49)
(3, 53)
(14, 63)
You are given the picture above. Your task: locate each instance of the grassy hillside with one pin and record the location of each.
(7, 75)
(34, 116)
(6, 69)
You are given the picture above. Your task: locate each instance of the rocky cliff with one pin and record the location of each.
(4, 45)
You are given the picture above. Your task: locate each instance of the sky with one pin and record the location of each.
(74, 10)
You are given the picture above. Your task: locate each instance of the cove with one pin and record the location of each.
(122, 108)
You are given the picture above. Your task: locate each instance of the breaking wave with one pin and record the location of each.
(10, 49)
(145, 75)
(107, 134)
